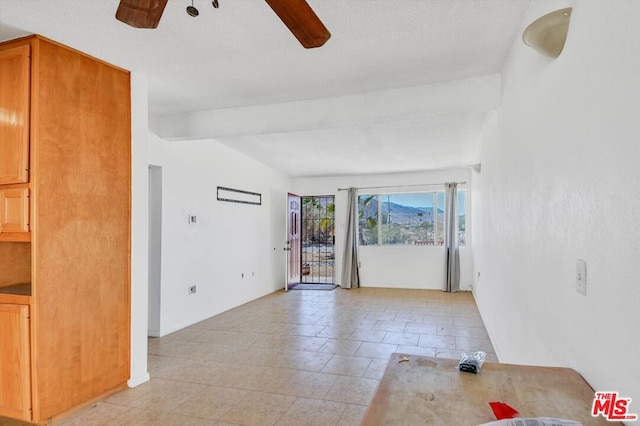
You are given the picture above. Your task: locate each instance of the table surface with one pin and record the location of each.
(431, 391)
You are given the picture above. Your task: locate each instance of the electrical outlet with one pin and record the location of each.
(192, 289)
(193, 219)
(581, 277)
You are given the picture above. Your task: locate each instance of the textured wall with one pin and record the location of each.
(229, 240)
(559, 172)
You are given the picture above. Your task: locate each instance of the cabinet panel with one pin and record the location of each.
(14, 115)
(15, 382)
(14, 210)
(64, 228)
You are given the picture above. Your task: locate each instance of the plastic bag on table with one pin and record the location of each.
(472, 362)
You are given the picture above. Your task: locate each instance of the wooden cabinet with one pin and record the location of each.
(14, 210)
(65, 197)
(15, 383)
(15, 73)
(14, 115)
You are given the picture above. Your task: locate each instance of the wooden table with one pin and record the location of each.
(431, 391)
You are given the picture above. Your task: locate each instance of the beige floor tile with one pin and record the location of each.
(301, 343)
(137, 417)
(166, 395)
(259, 408)
(472, 344)
(437, 320)
(347, 365)
(472, 321)
(448, 353)
(452, 330)
(212, 403)
(308, 384)
(337, 331)
(368, 335)
(402, 338)
(426, 311)
(94, 415)
(267, 379)
(303, 360)
(352, 415)
(299, 329)
(302, 318)
(381, 316)
(265, 357)
(409, 317)
(376, 369)
(440, 342)
(127, 396)
(156, 363)
(190, 371)
(340, 347)
(365, 323)
(421, 328)
(417, 350)
(312, 412)
(390, 325)
(376, 350)
(352, 390)
(213, 336)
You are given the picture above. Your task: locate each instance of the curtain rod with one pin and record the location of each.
(401, 186)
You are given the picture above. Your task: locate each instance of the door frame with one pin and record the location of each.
(293, 248)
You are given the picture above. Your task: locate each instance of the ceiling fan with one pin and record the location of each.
(297, 15)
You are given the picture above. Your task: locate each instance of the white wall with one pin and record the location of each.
(393, 266)
(229, 239)
(139, 229)
(558, 183)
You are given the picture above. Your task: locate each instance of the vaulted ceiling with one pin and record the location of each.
(401, 85)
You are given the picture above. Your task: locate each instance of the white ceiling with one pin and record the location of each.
(402, 85)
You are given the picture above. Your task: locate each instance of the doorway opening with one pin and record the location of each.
(318, 239)
(155, 250)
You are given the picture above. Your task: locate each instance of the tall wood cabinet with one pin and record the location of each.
(65, 189)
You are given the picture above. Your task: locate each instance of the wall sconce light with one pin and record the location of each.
(547, 34)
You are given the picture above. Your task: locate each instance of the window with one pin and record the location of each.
(462, 218)
(406, 219)
(368, 220)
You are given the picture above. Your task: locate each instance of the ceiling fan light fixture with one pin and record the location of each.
(192, 11)
(547, 34)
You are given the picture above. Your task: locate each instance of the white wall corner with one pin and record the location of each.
(139, 228)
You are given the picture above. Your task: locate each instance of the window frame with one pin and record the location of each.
(380, 199)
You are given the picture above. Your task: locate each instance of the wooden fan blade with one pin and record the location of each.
(302, 21)
(141, 13)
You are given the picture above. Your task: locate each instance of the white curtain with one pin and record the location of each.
(350, 275)
(451, 237)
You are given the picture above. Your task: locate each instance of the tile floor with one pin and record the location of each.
(298, 358)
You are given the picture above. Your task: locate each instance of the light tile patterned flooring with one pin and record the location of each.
(297, 358)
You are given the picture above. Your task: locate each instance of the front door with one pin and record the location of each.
(293, 241)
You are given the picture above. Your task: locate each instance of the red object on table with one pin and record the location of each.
(503, 411)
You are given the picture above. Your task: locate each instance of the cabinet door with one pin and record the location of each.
(14, 210)
(15, 377)
(14, 115)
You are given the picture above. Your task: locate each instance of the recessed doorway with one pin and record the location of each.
(318, 239)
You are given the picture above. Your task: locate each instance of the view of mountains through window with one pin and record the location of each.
(408, 219)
